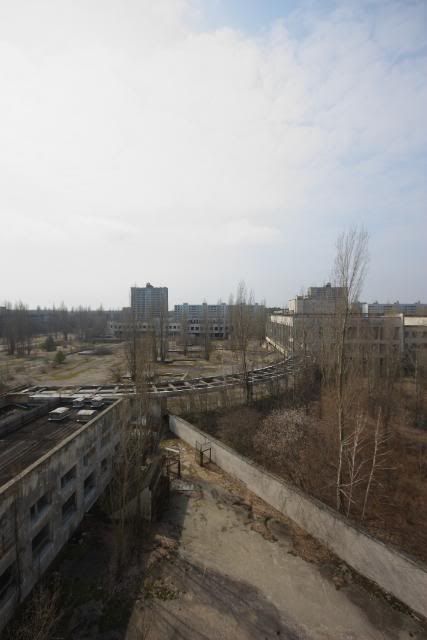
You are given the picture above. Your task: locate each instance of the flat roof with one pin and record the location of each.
(24, 446)
(415, 321)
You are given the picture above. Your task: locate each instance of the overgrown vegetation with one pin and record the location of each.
(59, 357)
(384, 471)
(39, 615)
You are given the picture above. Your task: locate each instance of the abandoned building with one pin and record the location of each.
(52, 470)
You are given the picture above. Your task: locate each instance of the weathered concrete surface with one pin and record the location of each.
(234, 569)
(88, 451)
(392, 571)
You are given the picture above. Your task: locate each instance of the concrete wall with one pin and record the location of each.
(33, 502)
(393, 571)
(276, 345)
(200, 400)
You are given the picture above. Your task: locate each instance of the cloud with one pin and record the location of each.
(244, 232)
(125, 121)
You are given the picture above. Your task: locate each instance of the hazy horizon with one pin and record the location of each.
(195, 143)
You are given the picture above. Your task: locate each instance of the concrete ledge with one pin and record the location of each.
(402, 576)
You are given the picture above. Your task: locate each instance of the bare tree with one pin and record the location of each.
(132, 335)
(163, 321)
(378, 460)
(184, 330)
(64, 321)
(353, 445)
(260, 321)
(206, 328)
(40, 615)
(17, 329)
(243, 327)
(349, 272)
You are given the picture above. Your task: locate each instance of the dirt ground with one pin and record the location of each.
(38, 368)
(227, 566)
(223, 361)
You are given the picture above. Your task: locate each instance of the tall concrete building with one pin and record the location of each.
(149, 302)
(197, 316)
(318, 300)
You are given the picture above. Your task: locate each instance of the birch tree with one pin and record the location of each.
(350, 267)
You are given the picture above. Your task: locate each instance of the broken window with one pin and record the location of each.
(68, 477)
(7, 582)
(40, 541)
(40, 506)
(69, 507)
(89, 483)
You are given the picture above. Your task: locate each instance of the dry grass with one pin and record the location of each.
(397, 506)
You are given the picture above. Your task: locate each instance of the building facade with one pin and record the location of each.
(195, 317)
(387, 308)
(320, 300)
(149, 302)
(44, 495)
(200, 311)
(310, 325)
(122, 329)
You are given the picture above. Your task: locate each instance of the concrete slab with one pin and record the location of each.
(241, 571)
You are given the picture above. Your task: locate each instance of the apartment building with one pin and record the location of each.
(197, 316)
(387, 308)
(149, 302)
(309, 322)
(52, 470)
(320, 300)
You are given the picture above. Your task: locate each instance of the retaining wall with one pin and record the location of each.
(395, 572)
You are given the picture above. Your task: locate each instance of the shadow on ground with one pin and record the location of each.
(243, 610)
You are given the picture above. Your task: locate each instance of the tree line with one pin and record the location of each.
(19, 325)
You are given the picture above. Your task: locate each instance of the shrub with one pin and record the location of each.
(280, 441)
(59, 357)
(237, 428)
(49, 344)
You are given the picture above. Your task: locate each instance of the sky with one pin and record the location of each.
(196, 143)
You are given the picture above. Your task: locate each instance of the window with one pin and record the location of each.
(105, 439)
(68, 477)
(69, 507)
(89, 483)
(40, 541)
(7, 582)
(7, 531)
(104, 465)
(40, 506)
(89, 455)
